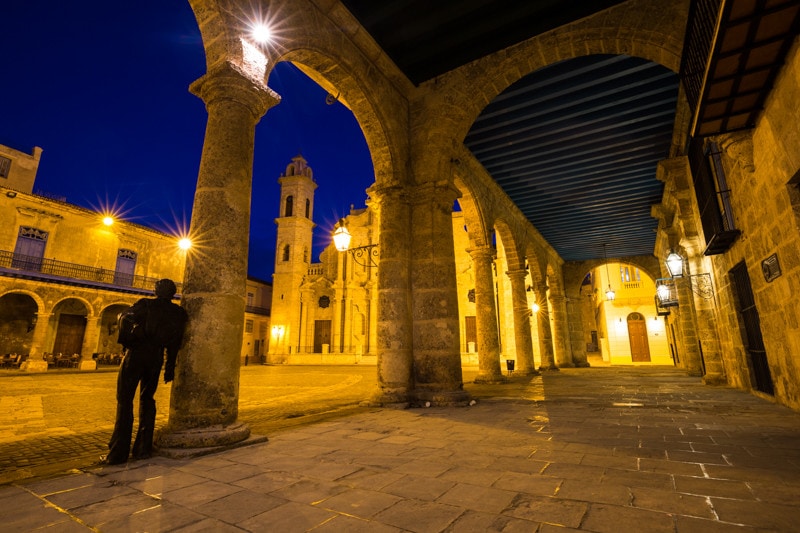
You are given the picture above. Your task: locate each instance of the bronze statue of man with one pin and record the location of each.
(149, 328)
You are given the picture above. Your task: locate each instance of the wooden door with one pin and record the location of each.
(470, 331)
(322, 334)
(637, 333)
(69, 335)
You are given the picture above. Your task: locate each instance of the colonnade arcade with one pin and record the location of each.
(415, 137)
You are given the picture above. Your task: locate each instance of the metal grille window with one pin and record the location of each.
(29, 250)
(750, 324)
(5, 166)
(248, 326)
(126, 267)
(713, 198)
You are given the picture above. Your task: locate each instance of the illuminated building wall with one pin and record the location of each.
(65, 275)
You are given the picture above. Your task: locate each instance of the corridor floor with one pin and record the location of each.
(612, 449)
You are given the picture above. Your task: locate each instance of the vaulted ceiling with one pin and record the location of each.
(575, 145)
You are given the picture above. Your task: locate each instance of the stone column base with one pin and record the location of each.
(552, 368)
(485, 377)
(391, 398)
(217, 436)
(424, 398)
(184, 453)
(714, 379)
(34, 366)
(526, 372)
(88, 365)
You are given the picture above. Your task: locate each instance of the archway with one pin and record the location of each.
(18, 317)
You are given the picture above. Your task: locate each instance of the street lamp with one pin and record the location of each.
(362, 255)
(674, 264)
(700, 283)
(341, 236)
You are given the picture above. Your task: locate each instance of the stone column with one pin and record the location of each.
(205, 395)
(706, 323)
(563, 355)
(307, 300)
(91, 336)
(394, 341)
(545, 335)
(522, 322)
(687, 327)
(434, 306)
(577, 339)
(489, 370)
(35, 361)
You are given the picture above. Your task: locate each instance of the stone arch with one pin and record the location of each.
(36, 298)
(553, 277)
(630, 28)
(575, 271)
(330, 57)
(363, 101)
(515, 259)
(472, 209)
(90, 311)
(107, 305)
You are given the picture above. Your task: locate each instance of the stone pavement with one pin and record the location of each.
(601, 449)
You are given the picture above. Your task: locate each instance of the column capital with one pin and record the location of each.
(482, 252)
(227, 82)
(440, 194)
(517, 275)
(388, 193)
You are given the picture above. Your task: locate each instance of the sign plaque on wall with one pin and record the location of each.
(771, 268)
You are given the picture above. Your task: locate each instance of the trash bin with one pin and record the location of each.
(510, 365)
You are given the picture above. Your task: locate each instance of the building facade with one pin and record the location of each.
(66, 272)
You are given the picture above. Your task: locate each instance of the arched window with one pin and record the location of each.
(288, 211)
(286, 253)
(308, 208)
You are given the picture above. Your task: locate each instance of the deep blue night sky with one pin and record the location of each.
(102, 87)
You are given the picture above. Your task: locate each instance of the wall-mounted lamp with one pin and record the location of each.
(362, 255)
(535, 307)
(700, 283)
(277, 331)
(674, 264)
(666, 295)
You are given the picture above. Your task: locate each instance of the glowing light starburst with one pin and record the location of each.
(261, 33)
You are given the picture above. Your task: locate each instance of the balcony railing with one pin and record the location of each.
(47, 269)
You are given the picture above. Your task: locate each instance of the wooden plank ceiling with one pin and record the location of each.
(575, 145)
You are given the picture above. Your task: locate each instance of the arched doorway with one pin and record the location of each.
(17, 320)
(71, 319)
(637, 335)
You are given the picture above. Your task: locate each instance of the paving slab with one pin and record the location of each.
(677, 459)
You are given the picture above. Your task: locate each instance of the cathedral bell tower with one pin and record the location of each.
(292, 256)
